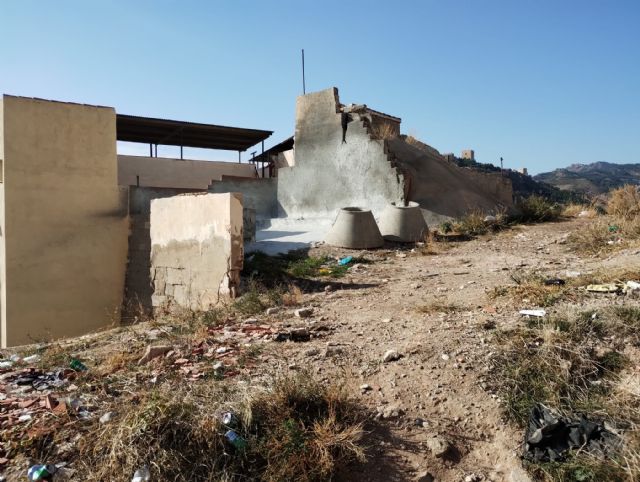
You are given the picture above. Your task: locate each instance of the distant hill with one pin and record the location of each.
(591, 179)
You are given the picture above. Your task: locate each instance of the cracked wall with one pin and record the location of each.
(196, 249)
(330, 174)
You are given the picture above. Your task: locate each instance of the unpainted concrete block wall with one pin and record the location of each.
(138, 284)
(196, 249)
(177, 173)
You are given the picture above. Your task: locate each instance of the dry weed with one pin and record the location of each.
(624, 202)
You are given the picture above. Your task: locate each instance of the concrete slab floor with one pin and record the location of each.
(281, 235)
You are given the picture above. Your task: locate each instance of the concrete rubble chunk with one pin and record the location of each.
(390, 355)
(154, 351)
(439, 446)
(304, 312)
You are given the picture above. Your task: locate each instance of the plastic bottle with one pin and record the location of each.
(236, 440)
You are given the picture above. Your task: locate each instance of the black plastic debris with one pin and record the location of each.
(554, 282)
(550, 436)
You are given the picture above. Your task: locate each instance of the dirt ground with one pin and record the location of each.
(436, 312)
(440, 378)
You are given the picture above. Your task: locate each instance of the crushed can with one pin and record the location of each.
(41, 472)
(229, 419)
(77, 365)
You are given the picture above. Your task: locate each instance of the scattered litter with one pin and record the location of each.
(142, 475)
(631, 287)
(153, 351)
(554, 282)
(6, 364)
(299, 334)
(107, 417)
(345, 261)
(229, 419)
(490, 219)
(41, 472)
(77, 365)
(550, 436)
(236, 440)
(605, 288)
(614, 228)
(536, 313)
(31, 359)
(273, 310)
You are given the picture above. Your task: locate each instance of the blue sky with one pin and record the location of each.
(541, 83)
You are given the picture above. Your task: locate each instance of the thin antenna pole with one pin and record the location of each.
(304, 89)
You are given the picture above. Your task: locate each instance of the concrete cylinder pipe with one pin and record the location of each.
(405, 224)
(355, 228)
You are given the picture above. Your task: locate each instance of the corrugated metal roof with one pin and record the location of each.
(150, 130)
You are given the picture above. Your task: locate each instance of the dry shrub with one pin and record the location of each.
(298, 429)
(430, 246)
(293, 297)
(385, 131)
(624, 202)
(537, 209)
(572, 210)
(472, 224)
(412, 140)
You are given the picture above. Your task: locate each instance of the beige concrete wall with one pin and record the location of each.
(65, 217)
(177, 173)
(3, 261)
(196, 249)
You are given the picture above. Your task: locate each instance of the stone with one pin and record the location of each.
(304, 312)
(390, 411)
(250, 321)
(154, 351)
(273, 310)
(332, 351)
(439, 446)
(312, 352)
(365, 387)
(390, 355)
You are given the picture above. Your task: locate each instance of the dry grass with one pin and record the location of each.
(385, 131)
(431, 247)
(624, 202)
(575, 363)
(297, 429)
(293, 297)
(573, 210)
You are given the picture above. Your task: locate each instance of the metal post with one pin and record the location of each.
(262, 158)
(150, 150)
(304, 88)
(156, 150)
(239, 161)
(181, 153)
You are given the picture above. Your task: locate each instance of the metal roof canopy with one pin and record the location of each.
(150, 130)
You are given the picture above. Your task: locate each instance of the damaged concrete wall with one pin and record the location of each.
(66, 220)
(196, 249)
(329, 173)
(443, 189)
(138, 285)
(374, 167)
(177, 173)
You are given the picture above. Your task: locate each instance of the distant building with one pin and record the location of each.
(449, 156)
(523, 170)
(468, 154)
